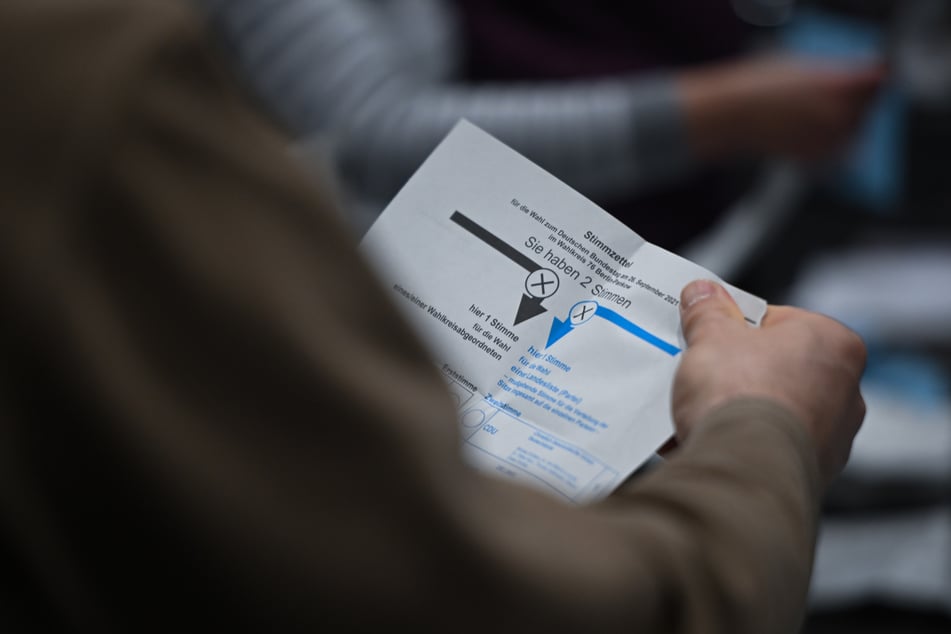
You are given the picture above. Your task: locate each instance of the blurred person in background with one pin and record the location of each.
(212, 419)
(645, 107)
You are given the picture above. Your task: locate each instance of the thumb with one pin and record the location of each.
(706, 304)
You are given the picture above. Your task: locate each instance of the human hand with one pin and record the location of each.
(808, 363)
(804, 109)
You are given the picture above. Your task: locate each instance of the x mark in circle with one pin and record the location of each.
(582, 312)
(541, 283)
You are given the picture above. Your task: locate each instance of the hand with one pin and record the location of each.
(780, 106)
(806, 362)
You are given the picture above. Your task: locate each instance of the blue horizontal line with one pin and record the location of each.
(637, 331)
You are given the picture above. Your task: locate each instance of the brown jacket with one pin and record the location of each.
(210, 415)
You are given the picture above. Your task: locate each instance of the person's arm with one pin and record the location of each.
(341, 68)
(212, 416)
(381, 81)
(800, 108)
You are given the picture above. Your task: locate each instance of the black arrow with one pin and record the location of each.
(529, 307)
(495, 242)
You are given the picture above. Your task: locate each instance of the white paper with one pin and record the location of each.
(556, 326)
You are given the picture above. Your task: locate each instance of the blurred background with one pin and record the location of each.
(868, 241)
(799, 149)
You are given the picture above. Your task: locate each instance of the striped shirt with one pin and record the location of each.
(379, 82)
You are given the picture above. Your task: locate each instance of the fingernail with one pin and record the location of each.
(697, 291)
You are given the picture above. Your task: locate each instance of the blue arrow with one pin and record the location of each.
(636, 330)
(561, 328)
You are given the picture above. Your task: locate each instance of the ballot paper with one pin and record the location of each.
(557, 328)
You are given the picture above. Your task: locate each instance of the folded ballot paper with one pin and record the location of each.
(557, 327)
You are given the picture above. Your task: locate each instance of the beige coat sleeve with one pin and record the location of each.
(211, 416)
